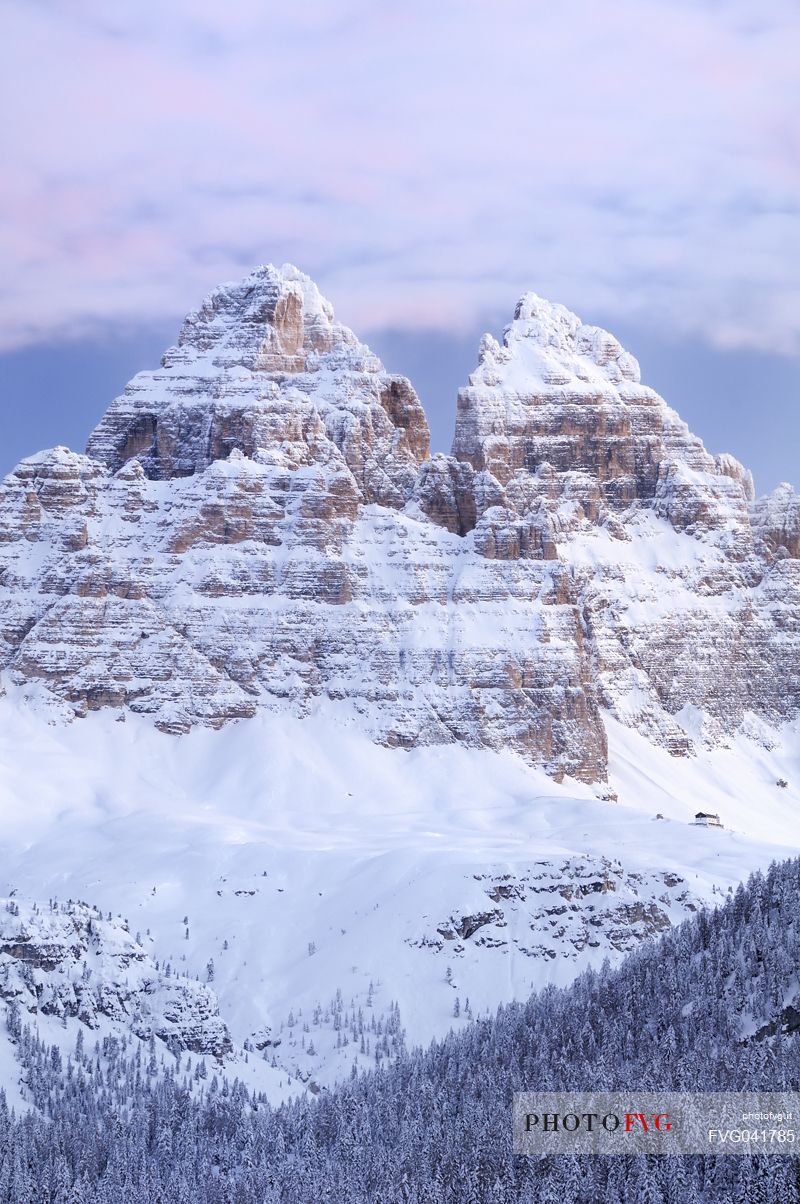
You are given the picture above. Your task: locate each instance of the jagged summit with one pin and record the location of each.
(550, 343)
(776, 519)
(262, 365)
(275, 320)
(558, 395)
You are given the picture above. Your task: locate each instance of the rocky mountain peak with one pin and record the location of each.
(776, 520)
(558, 410)
(549, 342)
(275, 320)
(262, 367)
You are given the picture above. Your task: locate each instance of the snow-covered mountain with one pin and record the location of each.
(431, 677)
(258, 524)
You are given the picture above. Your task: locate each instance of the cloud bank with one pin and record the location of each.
(425, 163)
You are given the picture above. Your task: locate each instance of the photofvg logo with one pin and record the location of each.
(656, 1123)
(570, 1122)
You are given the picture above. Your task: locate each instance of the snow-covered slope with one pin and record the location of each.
(348, 721)
(304, 860)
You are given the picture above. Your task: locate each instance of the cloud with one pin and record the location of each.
(425, 163)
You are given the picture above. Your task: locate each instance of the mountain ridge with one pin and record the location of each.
(259, 523)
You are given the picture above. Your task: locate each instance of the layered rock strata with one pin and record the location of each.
(258, 523)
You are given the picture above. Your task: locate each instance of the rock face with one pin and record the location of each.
(67, 961)
(556, 911)
(258, 523)
(687, 634)
(262, 365)
(560, 397)
(776, 520)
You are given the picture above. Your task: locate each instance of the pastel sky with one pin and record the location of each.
(638, 160)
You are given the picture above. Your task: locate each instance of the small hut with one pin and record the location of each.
(707, 820)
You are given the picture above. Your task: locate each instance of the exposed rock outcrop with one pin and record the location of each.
(558, 911)
(263, 365)
(677, 590)
(69, 961)
(560, 394)
(776, 520)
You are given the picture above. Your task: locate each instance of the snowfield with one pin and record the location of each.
(330, 880)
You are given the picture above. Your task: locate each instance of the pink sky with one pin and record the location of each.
(425, 163)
